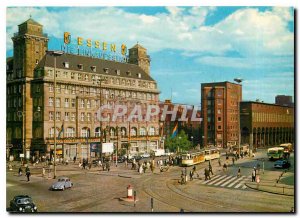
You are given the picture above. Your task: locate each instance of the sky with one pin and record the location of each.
(187, 45)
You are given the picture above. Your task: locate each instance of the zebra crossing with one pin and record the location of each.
(227, 181)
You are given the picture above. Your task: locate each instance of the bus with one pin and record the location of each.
(190, 159)
(275, 153)
(211, 154)
(288, 147)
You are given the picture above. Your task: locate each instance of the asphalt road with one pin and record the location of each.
(98, 191)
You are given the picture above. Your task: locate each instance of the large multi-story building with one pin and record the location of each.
(264, 124)
(220, 113)
(284, 100)
(187, 118)
(83, 85)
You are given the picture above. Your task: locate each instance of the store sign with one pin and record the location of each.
(94, 48)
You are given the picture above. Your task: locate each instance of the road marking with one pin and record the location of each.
(210, 180)
(214, 181)
(236, 181)
(238, 185)
(223, 180)
(244, 187)
(228, 181)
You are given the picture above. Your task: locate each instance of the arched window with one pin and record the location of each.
(85, 132)
(112, 131)
(142, 131)
(123, 131)
(152, 131)
(133, 131)
(97, 132)
(51, 132)
(70, 132)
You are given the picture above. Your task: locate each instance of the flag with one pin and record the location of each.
(61, 131)
(175, 131)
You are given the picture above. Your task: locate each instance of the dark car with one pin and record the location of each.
(121, 159)
(282, 164)
(22, 204)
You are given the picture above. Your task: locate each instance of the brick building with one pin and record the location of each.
(265, 124)
(190, 126)
(284, 100)
(220, 113)
(83, 84)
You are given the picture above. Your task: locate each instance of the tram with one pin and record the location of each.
(190, 159)
(275, 153)
(211, 154)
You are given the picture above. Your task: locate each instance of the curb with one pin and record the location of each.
(267, 191)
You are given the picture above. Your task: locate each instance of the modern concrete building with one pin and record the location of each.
(83, 84)
(265, 124)
(284, 100)
(220, 113)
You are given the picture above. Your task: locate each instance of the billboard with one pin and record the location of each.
(107, 147)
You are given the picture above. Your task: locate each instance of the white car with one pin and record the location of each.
(145, 155)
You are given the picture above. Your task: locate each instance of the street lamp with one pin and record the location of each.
(239, 81)
(192, 137)
(55, 54)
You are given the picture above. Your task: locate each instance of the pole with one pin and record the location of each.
(54, 175)
(152, 203)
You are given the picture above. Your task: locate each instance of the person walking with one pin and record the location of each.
(206, 174)
(182, 179)
(239, 172)
(191, 175)
(210, 169)
(233, 161)
(107, 166)
(219, 161)
(225, 167)
(27, 173)
(253, 174)
(20, 171)
(74, 159)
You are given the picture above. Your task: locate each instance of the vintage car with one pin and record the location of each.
(22, 204)
(282, 164)
(62, 184)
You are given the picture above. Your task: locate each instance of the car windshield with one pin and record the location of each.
(24, 201)
(61, 180)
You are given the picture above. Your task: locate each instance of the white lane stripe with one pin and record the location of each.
(244, 187)
(236, 181)
(216, 180)
(228, 181)
(238, 185)
(210, 180)
(223, 180)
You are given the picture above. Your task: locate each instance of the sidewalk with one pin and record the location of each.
(268, 183)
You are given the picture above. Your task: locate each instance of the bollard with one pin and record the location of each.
(129, 192)
(152, 205)
(134, 199)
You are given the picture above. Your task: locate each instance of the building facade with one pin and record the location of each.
(284, 100)
(83, 85)
(183, 118)
(220, 113)
(265, 124)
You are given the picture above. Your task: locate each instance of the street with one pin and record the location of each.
(95, 190)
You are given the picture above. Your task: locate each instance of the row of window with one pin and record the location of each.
(271, 117)
(71, 116)
(96, 79)
(107, 93)
(85, 132)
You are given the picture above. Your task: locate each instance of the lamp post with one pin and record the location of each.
(55, 54)
(192, 137)
(239, 81)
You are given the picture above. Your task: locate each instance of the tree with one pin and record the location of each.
(181, 142)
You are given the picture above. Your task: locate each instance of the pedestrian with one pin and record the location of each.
(225, 167)
(43, 172)
(239, 172)
(242, 155)
(191, 175)
(74, 159)
(140, 168)
(182, 179)
(233, 161)
(206, 174)
(20, 171)
(194, 168)
(27, 173)
(210, 169)
(253, 174)
(144, 167)
(107, 166)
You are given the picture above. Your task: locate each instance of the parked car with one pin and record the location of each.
(22, 204)
(282, 164)
(62, 184)
(145, 155)
(121, 159)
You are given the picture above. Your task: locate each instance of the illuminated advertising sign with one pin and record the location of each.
(94, 48)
